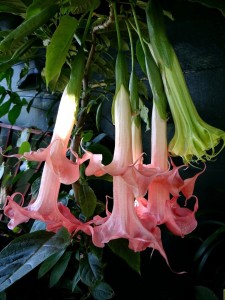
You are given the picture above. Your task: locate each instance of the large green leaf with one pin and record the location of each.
(16, 7)
(120, 248)
(24, 253)
(58, 48)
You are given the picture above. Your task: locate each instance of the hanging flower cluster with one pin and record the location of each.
(145, 196)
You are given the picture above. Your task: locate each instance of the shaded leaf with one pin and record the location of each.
(203, 293)
(14, 113)
(89, 274)
(120, 248)
(75, 281)
(4, 108)
(24, 253)
(59, 268)
(87, 200)
(81, 6)
(49, 263)
(96, 265)
(16, 7)
(102, 291)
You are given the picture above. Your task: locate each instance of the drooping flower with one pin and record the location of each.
(123, 221)
(45, 207)
(165, 188)
(57, 168)
(194, 139)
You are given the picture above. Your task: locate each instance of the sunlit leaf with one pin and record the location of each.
(26, 252)
(58, 48)
(24, 147)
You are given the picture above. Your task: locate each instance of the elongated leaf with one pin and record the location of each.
(27, 27)
(96, 265)
(59, 268)
(58, 48)
(49, 263)
(75, 281)
(16, 7)
(24, 253)
(14, 113)
(90, 273)
(37, 6)
(4, 108)
(120, 248)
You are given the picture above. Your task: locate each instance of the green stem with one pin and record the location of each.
(117, 27)
(87, 27)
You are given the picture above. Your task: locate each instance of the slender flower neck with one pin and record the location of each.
(159, 153)
(65, 118)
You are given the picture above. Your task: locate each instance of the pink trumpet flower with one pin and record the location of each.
(57, 169)
(123, 222)
(166, 187)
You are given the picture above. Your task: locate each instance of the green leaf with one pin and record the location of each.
(120, 248)
(38, 6)
(203, 293)
(16, 7)
(102, 291)
(49, 263)
(4, 108)
(96, 265)
(90, 270)
(58, 48)
(24, 147)
(75, 281)
(81, 6)
(87, 200)
(27, 27)
(14, 113)
(26, 252)
(59, 268)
